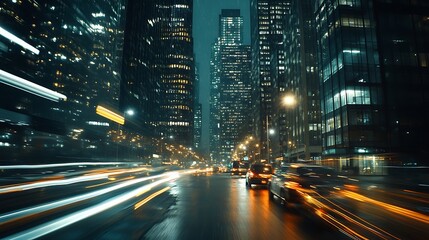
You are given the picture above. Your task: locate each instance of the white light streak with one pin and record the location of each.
(30, 87)
(67, 220)
(18, 41)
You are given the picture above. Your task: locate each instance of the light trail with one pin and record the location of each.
(62, 165)
(17, 40)
(322, 210)
(98, 175)
(392, 208)
(57, 204)
(69, 219)
(152, 196)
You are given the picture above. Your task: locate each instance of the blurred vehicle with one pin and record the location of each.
(294, 182)
(239, 167)
(258, 173)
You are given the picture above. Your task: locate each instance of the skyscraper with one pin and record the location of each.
(230, 87)
(303, 119)
(161, 67)
(197, 113)
(402, 30)
(267, 32)
(353, 117)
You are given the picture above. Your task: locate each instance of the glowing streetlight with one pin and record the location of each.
(130, 112)
(289, 100)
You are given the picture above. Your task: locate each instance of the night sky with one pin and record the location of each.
(205, 31)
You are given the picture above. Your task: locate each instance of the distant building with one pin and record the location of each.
(198, 121)
(230, 96)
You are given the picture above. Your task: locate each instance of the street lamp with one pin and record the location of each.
(289, 101)
(269, 132)
(130, 112)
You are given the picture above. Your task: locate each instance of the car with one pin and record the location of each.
(292, 183)
(258, 173)
(239, 167)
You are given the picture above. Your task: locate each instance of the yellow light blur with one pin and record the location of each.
(289, 100)
(109, 114)
(152, 196)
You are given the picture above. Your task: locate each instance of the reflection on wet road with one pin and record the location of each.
(143, 203)
(221, 207)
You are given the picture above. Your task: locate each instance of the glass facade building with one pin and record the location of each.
(268, 18)
(302, 120)
(230, 96)
(159, 75)
(354, 132)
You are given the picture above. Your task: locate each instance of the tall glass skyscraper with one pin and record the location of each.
(354, 132)
(268, 18)
(303, 119)
(230, 96)
(160, 65)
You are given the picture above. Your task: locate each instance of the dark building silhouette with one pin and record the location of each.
(159, 67)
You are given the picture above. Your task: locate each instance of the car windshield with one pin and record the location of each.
(261, 169)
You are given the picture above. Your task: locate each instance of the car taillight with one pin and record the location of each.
(252, 174)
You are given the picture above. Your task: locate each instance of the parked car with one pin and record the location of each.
(259, 173)
(292, 183)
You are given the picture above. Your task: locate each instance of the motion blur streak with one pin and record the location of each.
(395, 209)
(46, 207)
(60, 165)
(67, 220)
(152, 196)
(18, 41)
(350, 217)
(30, 87)
(100, 174)
(109, 114)
(115, 180)
(331, 220)
(49, 183)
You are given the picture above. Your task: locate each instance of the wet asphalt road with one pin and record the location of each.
(213, 207)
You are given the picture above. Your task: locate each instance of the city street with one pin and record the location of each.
(140, 203)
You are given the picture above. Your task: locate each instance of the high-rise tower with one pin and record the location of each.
(230, 96)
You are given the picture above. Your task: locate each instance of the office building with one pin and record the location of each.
(230, 87)
(302, 123)
(267, 33)
(352, 100)
(160, 67)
